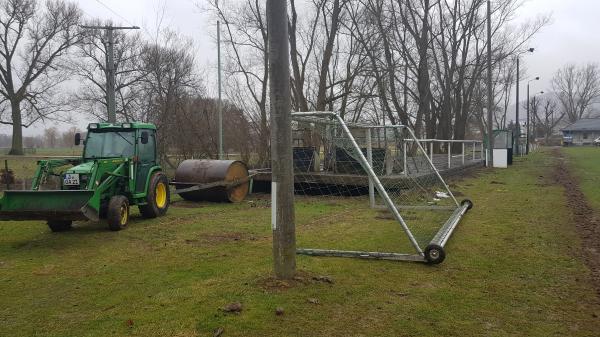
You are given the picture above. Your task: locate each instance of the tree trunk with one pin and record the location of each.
(17, 138)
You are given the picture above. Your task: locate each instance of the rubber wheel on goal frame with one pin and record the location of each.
(60, 225)
(117, 214)
(158, 197)
(467, 202)
(434, 254)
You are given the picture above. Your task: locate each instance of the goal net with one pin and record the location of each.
(390, 166)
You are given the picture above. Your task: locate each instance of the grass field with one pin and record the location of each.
(586, 161)
(512, 270)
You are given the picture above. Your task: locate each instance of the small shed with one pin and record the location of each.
(582, 132)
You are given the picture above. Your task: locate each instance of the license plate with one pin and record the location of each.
(71, 179)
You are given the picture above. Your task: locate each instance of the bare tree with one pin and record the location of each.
(34, 37)
(246, 42)
(577, 89)
(51, 137)
(67, 138)
(547, 117)
(172, 80)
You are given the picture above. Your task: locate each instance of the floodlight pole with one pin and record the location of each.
(110, 68)
(530, 50)
(282, 185)
(518, 150)
(527, 139)
(490, 92)
(220, 103)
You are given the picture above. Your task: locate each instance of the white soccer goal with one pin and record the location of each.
(333, 157)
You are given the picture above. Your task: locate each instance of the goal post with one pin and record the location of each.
(390, 164)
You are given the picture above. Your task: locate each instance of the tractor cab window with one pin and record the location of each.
(110, 144)
(147, 152)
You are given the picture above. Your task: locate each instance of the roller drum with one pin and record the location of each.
(199, 172)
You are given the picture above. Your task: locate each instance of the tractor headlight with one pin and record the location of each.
(93, 126)
(126, 125)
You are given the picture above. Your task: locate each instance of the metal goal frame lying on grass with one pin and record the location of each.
(434, 252)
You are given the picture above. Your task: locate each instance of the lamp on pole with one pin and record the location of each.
(527, 139)
(530, 50)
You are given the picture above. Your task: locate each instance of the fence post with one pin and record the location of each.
(482, 157)
(6, 174)
(473, 149)
(370, 160)
(449, 155)
(431, 150)
(405, 157)
(463, 153)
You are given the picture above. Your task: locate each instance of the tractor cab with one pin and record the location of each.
(109, 144)
(118, 168)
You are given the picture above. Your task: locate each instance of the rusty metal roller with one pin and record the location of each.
(212, 180)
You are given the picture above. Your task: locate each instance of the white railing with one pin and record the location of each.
(470, 149)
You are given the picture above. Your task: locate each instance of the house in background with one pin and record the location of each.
(582, 132)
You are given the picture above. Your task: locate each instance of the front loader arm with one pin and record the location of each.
(92, 208)
(46, 168)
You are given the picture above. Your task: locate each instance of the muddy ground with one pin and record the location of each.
(586, 219)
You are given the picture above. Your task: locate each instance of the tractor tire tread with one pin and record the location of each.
(113, 212)
(150, 209)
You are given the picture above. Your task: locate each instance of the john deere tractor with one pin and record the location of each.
(118, 169)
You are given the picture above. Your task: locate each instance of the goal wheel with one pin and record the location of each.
(434, 254)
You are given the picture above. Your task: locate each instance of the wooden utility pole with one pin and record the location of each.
(490, 91)
(110, 68)
(282, 186)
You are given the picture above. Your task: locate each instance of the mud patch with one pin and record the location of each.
(587, 222)
(185, 204)
(220, 237)
(302, 278)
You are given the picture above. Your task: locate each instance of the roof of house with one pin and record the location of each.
(584, 124)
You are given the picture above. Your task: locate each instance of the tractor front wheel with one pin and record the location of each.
(158, 196)
(117, 214)
(59, 225)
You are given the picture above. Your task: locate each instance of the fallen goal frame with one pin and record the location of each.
(434, 252)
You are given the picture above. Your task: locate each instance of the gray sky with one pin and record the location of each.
(572, 36)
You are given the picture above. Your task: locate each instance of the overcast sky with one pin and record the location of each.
(572, 36)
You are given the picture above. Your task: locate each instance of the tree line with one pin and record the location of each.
(51, 66)
(51, 137)
(415, 62)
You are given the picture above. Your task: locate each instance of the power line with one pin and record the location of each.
(123, 18)
(114, 12)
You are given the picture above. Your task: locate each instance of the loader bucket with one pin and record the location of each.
(47, 205)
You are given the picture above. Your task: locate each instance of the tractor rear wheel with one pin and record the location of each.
(158, 196)
(117, 214)
(59, 225)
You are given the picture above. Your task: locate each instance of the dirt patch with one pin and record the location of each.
(220, 237)
(302, 278)
(587, 222)
(185, 204)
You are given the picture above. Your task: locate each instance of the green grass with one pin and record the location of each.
(511, 270)
(586, 161)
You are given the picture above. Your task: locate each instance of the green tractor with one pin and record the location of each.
(118, 169)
